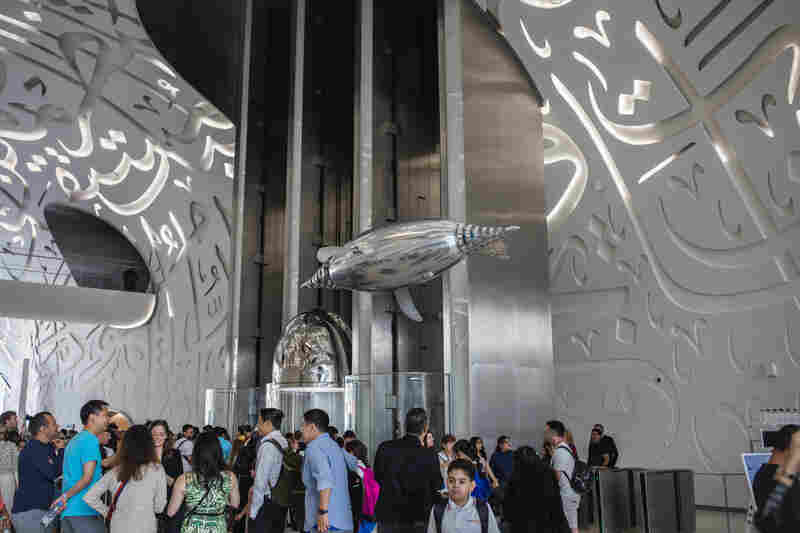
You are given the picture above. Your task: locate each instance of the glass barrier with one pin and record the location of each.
(376, 404)
(294, 401)
(230, 408)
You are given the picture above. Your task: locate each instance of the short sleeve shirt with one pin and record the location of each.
(185, 447)
(226, 448)
(564, 464)
(82, 448)
(325, 467)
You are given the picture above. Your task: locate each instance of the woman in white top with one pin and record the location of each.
(137, 483)
(9, 461)
(446, 454)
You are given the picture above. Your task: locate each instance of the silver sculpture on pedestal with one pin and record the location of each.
(314, 351)
(393, 257)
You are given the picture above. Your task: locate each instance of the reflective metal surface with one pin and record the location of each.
(314, 351)
(510, 339)
(294, 170)
(614, 502)
(399, 255)
(665, 501)
(455, 282)
(239, 187)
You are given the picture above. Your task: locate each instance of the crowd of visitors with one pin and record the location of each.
(147, 479)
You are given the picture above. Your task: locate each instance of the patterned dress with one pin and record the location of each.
(208, 516)
(9, 464)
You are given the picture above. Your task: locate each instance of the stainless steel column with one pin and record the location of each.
(23, 388)
(294, 168)
(455, 284)
(363, 212)
(509, 338)
(239, 186)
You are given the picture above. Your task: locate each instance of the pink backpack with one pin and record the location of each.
(371, 492)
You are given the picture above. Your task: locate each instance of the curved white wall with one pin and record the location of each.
(674, 277)
(92, 115)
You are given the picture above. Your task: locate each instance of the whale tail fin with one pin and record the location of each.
(320, 280)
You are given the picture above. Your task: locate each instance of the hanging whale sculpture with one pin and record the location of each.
(396, 256)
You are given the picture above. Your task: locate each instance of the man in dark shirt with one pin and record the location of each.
(764, 483)
(602, 449)
(39, 465)
(409, 477)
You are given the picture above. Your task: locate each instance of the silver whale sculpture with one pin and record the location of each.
(396, 256)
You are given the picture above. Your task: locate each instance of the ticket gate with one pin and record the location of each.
(635, 500)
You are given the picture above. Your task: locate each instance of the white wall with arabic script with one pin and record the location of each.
(92, 116)
(672, 153)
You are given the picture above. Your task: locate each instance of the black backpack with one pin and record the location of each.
(290, 480)
(356, 488)
(582, 475)
(480, 505)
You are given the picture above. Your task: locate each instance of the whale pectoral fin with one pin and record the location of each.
(406, 303)
(327, 253)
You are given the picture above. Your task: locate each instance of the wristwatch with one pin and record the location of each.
(323, 511)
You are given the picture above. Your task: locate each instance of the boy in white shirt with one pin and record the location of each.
(462, 513)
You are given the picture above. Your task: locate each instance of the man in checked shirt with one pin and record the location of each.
(267, 516)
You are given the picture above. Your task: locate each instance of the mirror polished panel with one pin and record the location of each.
(510, 341)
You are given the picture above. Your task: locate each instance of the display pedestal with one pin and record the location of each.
(295, 401)
(230, 408)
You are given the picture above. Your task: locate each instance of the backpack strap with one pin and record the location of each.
(568, 448)
(438, 515)
(277, 445)
(483, 514)
(564, 446)
(114, 501)
(283, 461)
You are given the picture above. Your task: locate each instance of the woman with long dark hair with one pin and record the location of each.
(207, 490)
(533, 499)
(137, 484)
(483, 471)
(477, 444)
(465, 450)
(170, 459)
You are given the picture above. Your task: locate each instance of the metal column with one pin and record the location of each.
(455, 283)
(498, 334)
(239, 186)
(294, 168)
(363, 209)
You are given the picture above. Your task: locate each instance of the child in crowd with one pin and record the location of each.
(364, 507)
(462, 513)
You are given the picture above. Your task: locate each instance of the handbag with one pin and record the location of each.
(114, 500)
(190, 513)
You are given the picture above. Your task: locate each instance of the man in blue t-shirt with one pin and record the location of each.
(224, 442)
(82, 469)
